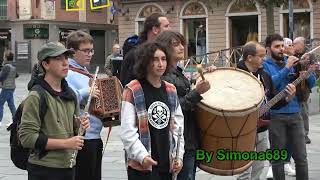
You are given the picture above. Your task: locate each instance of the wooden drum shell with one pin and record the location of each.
(227, 118)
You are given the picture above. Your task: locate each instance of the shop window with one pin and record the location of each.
(301, 19)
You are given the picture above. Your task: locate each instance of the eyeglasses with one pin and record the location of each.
(87, 51)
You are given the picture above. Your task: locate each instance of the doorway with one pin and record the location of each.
(242, 31)
(194, 31)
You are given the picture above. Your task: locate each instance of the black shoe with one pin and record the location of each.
(308, 141)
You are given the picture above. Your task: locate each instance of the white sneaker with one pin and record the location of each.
(0, 124)
(289, 170)
(269, 174)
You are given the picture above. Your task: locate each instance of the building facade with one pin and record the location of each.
(25, 25)
(209, 27)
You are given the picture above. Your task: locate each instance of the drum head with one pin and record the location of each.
(233, 92)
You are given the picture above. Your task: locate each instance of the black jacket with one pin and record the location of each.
(188, 100)
(129, 59)
(269, 89)
(127, 71)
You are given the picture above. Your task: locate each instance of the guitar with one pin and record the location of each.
(282, 94)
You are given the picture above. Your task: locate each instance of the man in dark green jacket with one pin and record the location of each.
(53, 139)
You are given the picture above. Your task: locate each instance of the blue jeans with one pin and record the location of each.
(6, 95)
(188, 171)
(288, 128)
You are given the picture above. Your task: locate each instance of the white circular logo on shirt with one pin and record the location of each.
(158, 115)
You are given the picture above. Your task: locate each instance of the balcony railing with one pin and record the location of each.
(3, 10)
(230, 57)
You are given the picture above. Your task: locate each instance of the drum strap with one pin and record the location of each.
(105, 145)
(81, 71)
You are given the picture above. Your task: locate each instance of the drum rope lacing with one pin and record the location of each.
(234, 137)
(212, 121)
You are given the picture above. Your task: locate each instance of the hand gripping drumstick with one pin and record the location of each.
(310, 52)
(200, 71)
(86, 109)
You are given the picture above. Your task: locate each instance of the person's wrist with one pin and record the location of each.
(287, 99)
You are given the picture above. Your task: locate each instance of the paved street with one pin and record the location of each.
(113, 159)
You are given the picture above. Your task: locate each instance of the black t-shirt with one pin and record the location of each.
(157, 106)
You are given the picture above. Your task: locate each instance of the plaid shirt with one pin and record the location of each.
(133, 94)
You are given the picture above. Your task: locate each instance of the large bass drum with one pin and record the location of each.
(227, 117)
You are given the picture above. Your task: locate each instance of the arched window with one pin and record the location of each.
(193, 20)
(238, 31)
(243, 6)
(302, 25)
(298, 4)
(148, 10)
(194, 8)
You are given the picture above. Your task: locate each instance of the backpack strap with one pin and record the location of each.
(42, 102)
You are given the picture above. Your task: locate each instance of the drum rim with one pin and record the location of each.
(239, 112)
(223, 172)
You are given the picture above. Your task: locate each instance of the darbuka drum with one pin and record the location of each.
(109, 103)
(227, 118)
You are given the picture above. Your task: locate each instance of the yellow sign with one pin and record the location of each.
(74, 5)
(99, 4)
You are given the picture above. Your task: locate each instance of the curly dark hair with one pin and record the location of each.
(272, 37)
(145, 56)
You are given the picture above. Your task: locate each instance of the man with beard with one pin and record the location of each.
(303, 90)
(286, 123)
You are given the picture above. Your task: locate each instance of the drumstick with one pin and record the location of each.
(200, 71)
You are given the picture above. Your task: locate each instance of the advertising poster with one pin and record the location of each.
(98, 4)
(74, 5)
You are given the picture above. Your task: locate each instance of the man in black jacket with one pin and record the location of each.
(153, 26)
(253, 54)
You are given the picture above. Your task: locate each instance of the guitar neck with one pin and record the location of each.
(282, 94)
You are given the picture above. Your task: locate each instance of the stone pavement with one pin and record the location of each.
(113, 166)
